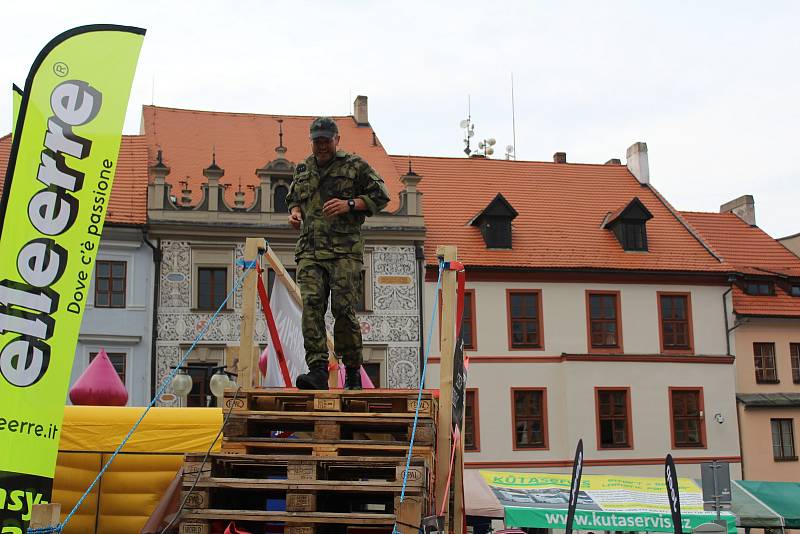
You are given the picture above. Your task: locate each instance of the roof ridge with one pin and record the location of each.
(209, 112)
(689, 228)
(461, 158)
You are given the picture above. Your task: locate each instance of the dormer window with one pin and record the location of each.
(796, 290)
(629, 225)
(279, 199)
(755, 287)
(495, 222)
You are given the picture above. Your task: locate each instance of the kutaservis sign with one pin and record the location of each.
(540, 500)
(57, 186)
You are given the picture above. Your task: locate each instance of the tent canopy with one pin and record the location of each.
(781, 497)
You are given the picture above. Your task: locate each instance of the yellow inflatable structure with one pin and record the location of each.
(130, 489)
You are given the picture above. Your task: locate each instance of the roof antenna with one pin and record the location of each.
(511, 150)
(469, 127)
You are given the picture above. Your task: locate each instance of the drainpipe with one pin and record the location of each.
(419, 255)
(156, 288)
(725, 311)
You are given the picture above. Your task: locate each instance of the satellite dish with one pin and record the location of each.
(491, 141)
(489, 151)
(510, 149)
(464, 123)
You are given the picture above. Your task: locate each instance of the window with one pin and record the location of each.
(796, 290)
(686, 407)
(783, 440)
(633, 235)
(613, 418)
(764, 354)
(117, 360)
(497, 232)
(605, 330)
(279, 199)
(530, 418)
(676, 322)
(471, 435)
(525, 319)
(200, 394)
(794, 354)
(110, 283)
(212, 287)
(759, 288)
(468, 321)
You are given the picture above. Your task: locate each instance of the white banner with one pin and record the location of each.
(288, 316)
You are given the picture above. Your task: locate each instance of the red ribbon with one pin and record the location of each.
(273, 330)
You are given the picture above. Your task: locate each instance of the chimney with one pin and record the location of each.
(613, 161)
(560, 157)
(744, 207)
(360, 111)
(638, 163)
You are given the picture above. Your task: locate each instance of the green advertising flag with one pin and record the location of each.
(57, 187)
(16, 102)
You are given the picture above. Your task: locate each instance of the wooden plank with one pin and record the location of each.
(248, 359)
(45, 515)
(194, 526)
(366, 486)
(446, 347)
(293, 517)
(409, 513)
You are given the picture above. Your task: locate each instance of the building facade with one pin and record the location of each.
(200, 218)
(763, 304)
(593, 311)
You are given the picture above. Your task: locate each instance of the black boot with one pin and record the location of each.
(315, 378)
(352, 378)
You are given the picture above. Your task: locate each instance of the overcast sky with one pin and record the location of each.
(713, 88)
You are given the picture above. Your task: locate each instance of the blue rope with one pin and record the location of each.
(421, 386)
(60, 527)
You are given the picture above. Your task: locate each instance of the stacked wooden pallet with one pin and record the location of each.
(305, 462)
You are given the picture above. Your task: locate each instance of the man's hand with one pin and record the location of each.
(335, 206)
(296, 218)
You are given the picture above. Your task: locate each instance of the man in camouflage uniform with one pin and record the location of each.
(332, 192)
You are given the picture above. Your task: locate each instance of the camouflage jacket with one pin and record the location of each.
(347, 176)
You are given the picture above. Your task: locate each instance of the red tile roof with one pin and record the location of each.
(747, 247)
(245, 142)
(561, 209)
(749, 250)
(128, 203)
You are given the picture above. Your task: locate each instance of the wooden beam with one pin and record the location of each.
(294, 291)
(45, 515)
(248, 355)
(446, 347)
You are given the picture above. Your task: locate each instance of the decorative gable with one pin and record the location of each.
(495, 222)
(629, 225)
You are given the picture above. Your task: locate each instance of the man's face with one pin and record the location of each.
(324, 148)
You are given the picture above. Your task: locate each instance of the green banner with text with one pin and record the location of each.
(604, 502)
(59, 178)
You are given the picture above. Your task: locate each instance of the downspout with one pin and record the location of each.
(725, 312)
(419, 255)
(156, 288)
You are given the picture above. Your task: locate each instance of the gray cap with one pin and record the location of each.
(323, 127)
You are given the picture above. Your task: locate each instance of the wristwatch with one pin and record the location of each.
(351, 204)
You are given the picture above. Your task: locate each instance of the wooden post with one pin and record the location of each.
(45, 515)
(248, 355)
(446, 347)
(458, 486)
(294, 291)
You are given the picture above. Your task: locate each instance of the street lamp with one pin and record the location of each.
(182, 385)
(218, 383)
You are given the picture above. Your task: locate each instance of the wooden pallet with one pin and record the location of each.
(281, 446)
(407, 519)
(377, 401)
(343, 427)
(306, 468)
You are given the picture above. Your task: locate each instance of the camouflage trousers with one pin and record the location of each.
(339, 278)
